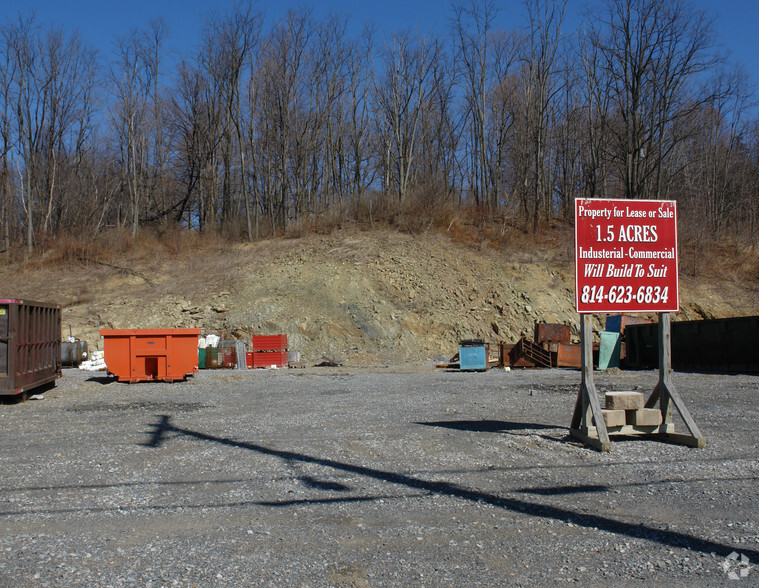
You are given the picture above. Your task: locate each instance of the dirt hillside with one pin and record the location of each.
(361, 297)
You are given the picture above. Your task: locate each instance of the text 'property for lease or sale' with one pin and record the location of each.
(626, 256)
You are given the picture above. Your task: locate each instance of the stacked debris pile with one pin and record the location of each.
(552, 347)
(267, 351)
(96, 363)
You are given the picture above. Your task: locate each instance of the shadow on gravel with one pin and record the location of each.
(163, 428)
(551, 490)
(323, 485)
(486, 426)
(565, 490)
(104, 380)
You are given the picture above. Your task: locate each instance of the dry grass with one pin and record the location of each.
(171, 261)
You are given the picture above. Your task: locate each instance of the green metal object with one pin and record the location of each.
(212, 357)
(608, 353)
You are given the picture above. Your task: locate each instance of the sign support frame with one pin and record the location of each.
(588, 424)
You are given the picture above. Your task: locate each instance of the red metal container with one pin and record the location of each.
(30, 345)
(266, 359)
(249, 359)
(144, 355)
(269, 343)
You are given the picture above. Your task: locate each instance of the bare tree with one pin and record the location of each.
(267, 127)
(401, 99)
(231, 39)
(503, 105)
(7, 75)
(30, 112)
(713, 161)
(569, 139)
(155, 39)
(70, 73)
(596, 94)
(473, 23)
(132, 83)
(360, 74)
(652, 53)
(545, 20)
(197, 123)
(285, 117)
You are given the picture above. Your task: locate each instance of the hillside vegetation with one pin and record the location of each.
(365, 297)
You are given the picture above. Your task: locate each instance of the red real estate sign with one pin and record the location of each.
(626, 256)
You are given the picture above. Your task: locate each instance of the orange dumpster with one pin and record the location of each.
(145, 355)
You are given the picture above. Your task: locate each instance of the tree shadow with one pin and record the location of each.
(591, 521)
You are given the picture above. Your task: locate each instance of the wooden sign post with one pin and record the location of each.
(626, 261)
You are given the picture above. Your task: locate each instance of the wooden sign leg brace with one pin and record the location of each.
(666, 394)
(588, 424)
(587, 421)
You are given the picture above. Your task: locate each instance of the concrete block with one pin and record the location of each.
(624, 400)
(644, 417)
(614, 418)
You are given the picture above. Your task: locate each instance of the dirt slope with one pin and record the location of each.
(362, 297)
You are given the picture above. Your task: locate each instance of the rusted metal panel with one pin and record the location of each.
(212, 358)
(552, 333)
(504, 353)
(618, 322)
(522, 361)
(527, 354)
(569, 355)
(30, 345)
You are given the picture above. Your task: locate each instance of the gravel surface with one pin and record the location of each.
(370, 477)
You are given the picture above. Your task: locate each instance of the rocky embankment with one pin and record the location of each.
(365, 298)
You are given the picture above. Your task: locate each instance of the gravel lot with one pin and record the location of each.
(370, 477)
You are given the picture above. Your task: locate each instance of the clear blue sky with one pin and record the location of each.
(100, 22)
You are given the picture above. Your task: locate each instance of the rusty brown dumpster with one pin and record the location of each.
(30, 345)
(552, 333)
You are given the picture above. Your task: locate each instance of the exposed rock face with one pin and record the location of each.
(367, 297)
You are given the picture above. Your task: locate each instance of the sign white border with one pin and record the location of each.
(669, 307)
